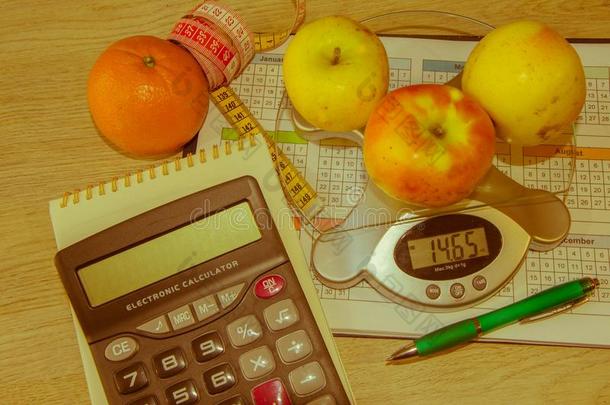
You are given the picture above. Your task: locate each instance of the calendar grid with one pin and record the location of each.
(548, 167)
(596, 110)
(578, 256)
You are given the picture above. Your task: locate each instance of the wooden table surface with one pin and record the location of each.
(48, 144)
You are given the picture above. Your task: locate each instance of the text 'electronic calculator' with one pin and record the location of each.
(196, 301)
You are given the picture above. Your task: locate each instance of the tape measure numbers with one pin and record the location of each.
(223, 46)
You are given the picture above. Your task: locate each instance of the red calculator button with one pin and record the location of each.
(269, 286)
(271, 392)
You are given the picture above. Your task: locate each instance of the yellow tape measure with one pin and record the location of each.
(242, 120)
(222, 44)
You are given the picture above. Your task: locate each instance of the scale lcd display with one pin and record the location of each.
(448, 248)
(169, 254)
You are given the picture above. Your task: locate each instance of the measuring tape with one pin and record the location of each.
(219, 40)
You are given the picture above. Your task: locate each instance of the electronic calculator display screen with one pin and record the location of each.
(448, 248)
(169, 254)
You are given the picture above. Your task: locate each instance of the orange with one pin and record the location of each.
(147, 96)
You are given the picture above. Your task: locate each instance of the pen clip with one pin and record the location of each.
(556, 310)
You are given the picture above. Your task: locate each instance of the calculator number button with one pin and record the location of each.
(233, 401)
(150, 400)
(307, 379)
(121, 349)
(183, 393)
(156, 326)
(207, 347)
(181, 317)
(131, 379)
(205, 307)
(257, 362)
(294, 346)
(281, 315)
(270, 392)
(169, 363)
(219, 378)
(244, 330)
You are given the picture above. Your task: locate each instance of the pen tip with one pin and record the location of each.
(403, 353)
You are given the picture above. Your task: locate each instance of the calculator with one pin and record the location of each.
(197, 302)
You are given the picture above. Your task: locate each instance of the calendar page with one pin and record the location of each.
(335, 169)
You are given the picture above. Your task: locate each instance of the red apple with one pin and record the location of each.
(428, 144)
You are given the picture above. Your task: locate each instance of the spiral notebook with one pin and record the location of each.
(103, 207)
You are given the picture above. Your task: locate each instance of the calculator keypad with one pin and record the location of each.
(267, 351)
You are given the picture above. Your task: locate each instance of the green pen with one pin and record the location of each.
(550, 301)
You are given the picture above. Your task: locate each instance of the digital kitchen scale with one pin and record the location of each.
(436, 260)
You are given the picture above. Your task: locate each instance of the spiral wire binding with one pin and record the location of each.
(130, 179)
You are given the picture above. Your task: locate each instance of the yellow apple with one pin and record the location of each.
(529, 79)
(335, 72)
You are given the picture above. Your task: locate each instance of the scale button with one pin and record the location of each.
(479, 283)
(433, 291)
(228, 295)
(157, 325)
(269, 286)
(121, 349)
(181, 317)
(457, 290)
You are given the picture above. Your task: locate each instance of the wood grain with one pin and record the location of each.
(48, 144)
